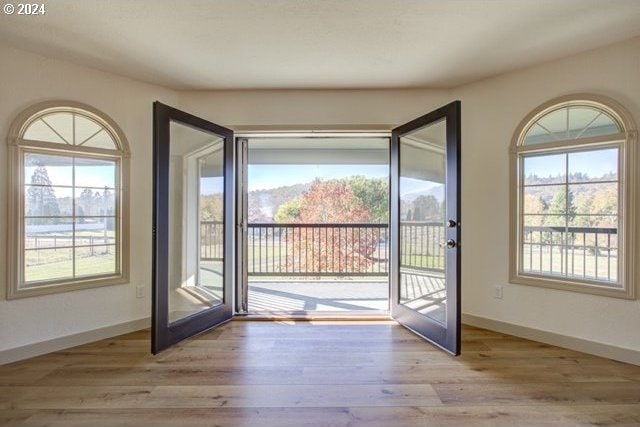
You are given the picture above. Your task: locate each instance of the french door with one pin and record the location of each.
(193, 229)
(193, 226)
(425, 226)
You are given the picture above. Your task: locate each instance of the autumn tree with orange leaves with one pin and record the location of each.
(330, 249)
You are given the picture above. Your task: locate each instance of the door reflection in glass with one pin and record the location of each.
(422, 221)
(196, 217)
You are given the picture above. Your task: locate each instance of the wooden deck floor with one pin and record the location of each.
(292, 297)
(249, 373)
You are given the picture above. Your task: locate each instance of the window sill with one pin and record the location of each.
(59, 287)
(590, 288)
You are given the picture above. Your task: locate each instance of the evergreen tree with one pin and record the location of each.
(86, 202)
(107, 208)
(562, 206)
(42, 197)
(543, 204)
(427, 208)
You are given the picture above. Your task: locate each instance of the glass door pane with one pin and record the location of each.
(196, 217)
(422, 221)
(193, 232)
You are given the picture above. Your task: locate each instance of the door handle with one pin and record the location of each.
(451, 244)
(452, 223)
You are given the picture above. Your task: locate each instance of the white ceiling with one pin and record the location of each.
(276, 44)
(319, 151)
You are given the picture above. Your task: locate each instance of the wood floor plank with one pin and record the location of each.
(416, 374)
(239, 396)
(474, 416)
(540, 393)
(319, 374)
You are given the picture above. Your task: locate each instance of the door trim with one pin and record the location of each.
(242, 285)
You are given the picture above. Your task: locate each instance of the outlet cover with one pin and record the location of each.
(497, 292)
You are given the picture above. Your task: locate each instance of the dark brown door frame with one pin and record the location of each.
(445, 336)
(163, 334)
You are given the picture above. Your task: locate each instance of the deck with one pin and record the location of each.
(421, 292)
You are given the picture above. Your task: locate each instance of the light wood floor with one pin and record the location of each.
(319, 374)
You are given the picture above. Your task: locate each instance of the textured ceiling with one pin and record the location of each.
(278, 44)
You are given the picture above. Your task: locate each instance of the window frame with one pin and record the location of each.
(18, 149)
(625, 142)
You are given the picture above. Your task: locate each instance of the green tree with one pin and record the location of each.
(372, 193)
(211, 207)
(605, 206)
(535, 205)
(42, 197)
(598, 207)
(289, 212)
(85, 202)
(427, 208)
(562, 208)
(544, 206)
(108, 208)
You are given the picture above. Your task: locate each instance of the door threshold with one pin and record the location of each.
(311, 315)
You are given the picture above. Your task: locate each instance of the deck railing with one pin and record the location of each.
(211, 240)
(578, 252)
(421, 245)
(363, 249)
(329, 249)
(318, 249)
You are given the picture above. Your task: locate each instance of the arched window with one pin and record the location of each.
(572, 196)
(68, 168)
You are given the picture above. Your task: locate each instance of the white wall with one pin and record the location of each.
(319, 109)
(491, 110)
(27, 79)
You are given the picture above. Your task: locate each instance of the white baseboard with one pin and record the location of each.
(68, 341)
(620, 354)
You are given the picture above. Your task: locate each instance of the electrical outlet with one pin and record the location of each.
(139, 292)
(497, 292)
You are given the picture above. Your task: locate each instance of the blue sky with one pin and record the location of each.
(264, 177)
(86, 176)
(593, 163)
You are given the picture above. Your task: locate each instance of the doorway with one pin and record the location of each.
(196, 160)
(315, 238)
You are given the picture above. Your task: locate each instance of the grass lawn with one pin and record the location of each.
(52, 264)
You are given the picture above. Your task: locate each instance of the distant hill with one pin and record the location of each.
(545, 188)
(263, 204)
(436, 191)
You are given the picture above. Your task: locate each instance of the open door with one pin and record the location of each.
(425, 225)
(192, 225)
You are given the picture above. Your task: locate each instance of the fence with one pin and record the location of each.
(581, 252)
(363, 249)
